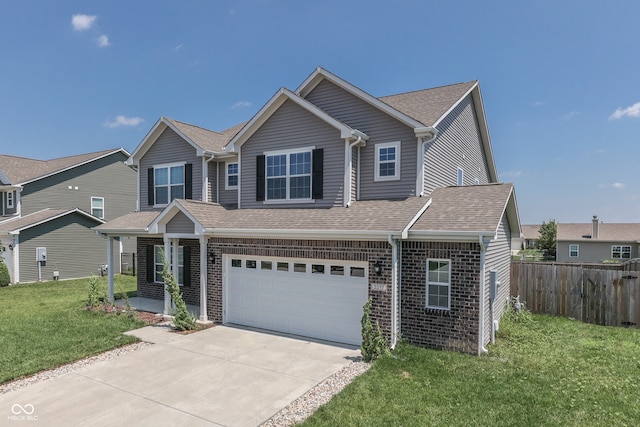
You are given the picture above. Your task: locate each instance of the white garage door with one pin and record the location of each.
(315, 298)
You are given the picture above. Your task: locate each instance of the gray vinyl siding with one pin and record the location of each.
(73, 249)
(293, 127)
(227, 197)
(458, 145)
(180, 223)
(107, 177)
(591, 251)
(169, 148)
(498, 257)
(381, 128)
(212, 189)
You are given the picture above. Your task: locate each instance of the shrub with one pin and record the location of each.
(374, 345)
(5, 279)
(94, 298)
(182, 320)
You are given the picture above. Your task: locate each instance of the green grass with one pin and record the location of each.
(543, 372)
(43, 325)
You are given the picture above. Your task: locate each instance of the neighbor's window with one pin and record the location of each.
(574, 251)
(387, 161)
(460, 177)
(232, 176)
(10, 200)
(97, 207)
(159, 263)
(620, 252)
(288, 175)
(438, 283)
(168, 183)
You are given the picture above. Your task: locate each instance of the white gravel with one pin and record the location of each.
(301, 408)
(70, 367)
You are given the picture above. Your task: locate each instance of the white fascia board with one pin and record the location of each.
(416, 217)
(159, 224)
(302, 234)
(320, 73)
(124, 232)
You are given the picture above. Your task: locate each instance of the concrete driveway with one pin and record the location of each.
(223, 376)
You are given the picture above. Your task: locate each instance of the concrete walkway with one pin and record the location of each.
(222, 376)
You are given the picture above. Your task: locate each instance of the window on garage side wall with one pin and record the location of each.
(438, 285)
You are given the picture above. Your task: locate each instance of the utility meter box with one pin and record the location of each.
(494, 283)
(41, 254)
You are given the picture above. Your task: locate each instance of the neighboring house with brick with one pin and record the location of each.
(48, 209)
(329, 196)
(597, 241)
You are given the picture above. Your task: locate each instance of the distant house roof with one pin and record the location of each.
(22, 170)
(131, 223)
(621, 232)
(531, 231)
(17, 224)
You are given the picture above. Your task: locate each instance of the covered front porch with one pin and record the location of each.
(154, 305)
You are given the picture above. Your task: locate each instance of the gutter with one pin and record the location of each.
(360, 137)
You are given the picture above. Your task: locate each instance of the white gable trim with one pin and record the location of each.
(159, 224)
(48, 219)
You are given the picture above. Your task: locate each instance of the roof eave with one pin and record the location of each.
(303, 234)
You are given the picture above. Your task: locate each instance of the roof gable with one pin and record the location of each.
(16, 225)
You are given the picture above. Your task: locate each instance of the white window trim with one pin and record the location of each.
(286, 153)
(166, 166)
(395, 177)
(577, 251)
(103, 207)
(620, 251)
(10, 200)
(460, 177)
(427, 283)
(155, 249)
(226, 176)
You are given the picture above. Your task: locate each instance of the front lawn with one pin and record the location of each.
(43, 325)
(545, 372)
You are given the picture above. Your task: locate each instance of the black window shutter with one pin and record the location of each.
(260, 177)
(151, 268)
(317, 173)
(186, 266)
(188, 180)
(150, 187)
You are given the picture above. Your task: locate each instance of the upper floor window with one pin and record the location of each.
(460, 177)
(438, 283)
(231, 181)
(169, 183)
(97, 207)
(620, 252)
(288, 175)
(574, 251)
(387, 161)
(10, 202)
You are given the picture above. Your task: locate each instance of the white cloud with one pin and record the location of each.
(178, 47)
(617, 185)
(82, 22)
(241, 104)
(103, 41)
(511, 174)
(123, 121)
(632, 111)
(570, 115)
(538, 104)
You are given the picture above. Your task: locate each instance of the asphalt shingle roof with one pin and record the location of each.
(132, 222)
(620, 232)
(20, 223)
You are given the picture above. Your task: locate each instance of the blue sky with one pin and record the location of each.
(560, 79)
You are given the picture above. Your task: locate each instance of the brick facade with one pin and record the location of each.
(456, 329)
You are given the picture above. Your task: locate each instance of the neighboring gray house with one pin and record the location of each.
(51, 207)
(597, 242)
(329, 196)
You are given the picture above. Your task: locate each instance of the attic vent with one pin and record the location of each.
(586, 236)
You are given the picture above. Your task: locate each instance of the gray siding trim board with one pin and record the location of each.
(292, 127)
(169, 148)
(458, 145)
(381, 128)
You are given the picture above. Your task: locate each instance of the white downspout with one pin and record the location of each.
(394, 291)
(349, 167)
(205, 178)
(483, 250)
(433, 133)
(167, 255)
(203, 279)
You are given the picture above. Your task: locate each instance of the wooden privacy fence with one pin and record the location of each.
(608, 296)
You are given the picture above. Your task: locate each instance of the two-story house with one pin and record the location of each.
(48, 209)
(329, 196)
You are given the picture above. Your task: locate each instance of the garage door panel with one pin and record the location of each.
(322, 306)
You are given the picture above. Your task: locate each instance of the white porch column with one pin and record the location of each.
(203, 278)
(167, 255)
(110, 268)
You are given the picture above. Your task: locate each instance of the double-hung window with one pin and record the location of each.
(620, 252)
(231, 181)
(574, 251)
(438, 284)
(159, 263)
(387, 161)
(97, 207)
(288, 175)
(169, 183)
(10, 202)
